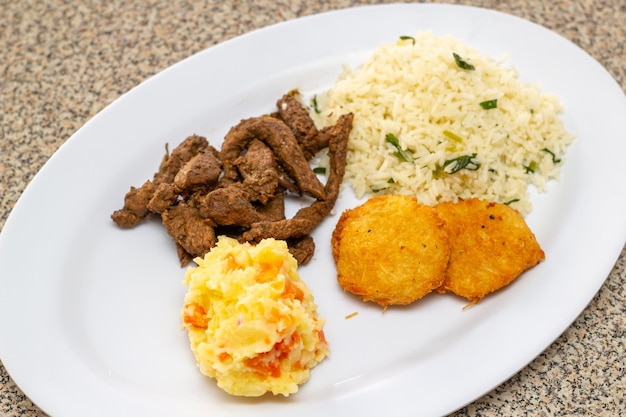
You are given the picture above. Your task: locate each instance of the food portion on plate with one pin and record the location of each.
(491, 245)
(457, 131)
(252, 322)
(436, 119)
(392, 250)
(441, 145)
(239, 191)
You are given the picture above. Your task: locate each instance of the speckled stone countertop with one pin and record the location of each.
(62, 61)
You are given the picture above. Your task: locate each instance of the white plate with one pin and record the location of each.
(89, 313)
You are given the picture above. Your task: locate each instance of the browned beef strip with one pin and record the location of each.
(307, 218)
(297, 117)
(337, 153)
(135, 206)
(282, 142)
(302, 249)
(285, 183)
(201, 172)
(163, 197)
(259, 171)
(172, 163)
(323, 137)
(273, 210)
(136, 200)
(279, 229)
(229, 206)
(193, 232)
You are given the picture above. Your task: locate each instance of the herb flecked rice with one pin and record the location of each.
(436, 119)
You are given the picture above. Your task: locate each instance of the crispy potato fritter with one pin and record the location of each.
(491, 246)
(390, 250)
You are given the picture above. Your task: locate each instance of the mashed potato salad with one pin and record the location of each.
(252, 322)
(436, 119)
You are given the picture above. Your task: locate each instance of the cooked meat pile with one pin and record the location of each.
(239, 191)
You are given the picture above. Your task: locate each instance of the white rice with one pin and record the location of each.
(417, 92)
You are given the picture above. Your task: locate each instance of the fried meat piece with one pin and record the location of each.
(136, 201)
(201, 172)
(163, 197)
(390, 250)
(283, 143)
(491, 245)
(135, 207)
(307, 218)
(338, 135)
(279, 229)
(189, 229)
(302, 249)
(172, 163)
(229, 206)
(259, 171)
(273, 210)
(297, 117)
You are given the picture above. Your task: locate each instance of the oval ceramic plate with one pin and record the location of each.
(89, 313)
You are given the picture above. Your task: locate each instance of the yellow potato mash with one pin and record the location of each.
(252, 322)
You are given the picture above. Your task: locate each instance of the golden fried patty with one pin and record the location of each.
(390, 250)
(491, 245)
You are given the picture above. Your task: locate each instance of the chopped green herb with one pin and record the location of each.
(461, 63)
(319, 170)
(462, 162)
(515, 200)
(376, 189)
(453, 136)
(489, 104)
(531, 168)
(554, 160)
(402, 154)
(408, 38)
(315, 107)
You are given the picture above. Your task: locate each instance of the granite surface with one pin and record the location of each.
(62, 61)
